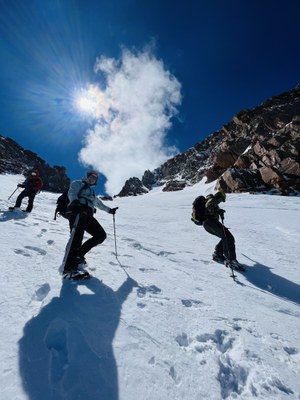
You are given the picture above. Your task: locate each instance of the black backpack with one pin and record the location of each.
(63, 201)
(62, 204)
(198, 213)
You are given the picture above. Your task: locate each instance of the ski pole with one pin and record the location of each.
(116, 251)
(226, 244)
(13, 192)
(114, 223)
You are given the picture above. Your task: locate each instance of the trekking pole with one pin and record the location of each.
(13, 192)
(226, 244)
(116, 251)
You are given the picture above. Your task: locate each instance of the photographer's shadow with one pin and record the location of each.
(66, 350)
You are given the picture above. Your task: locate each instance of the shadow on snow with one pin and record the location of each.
(66, 350)
(262, 277)
(8, 215)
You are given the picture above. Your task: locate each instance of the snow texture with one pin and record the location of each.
(158, 320)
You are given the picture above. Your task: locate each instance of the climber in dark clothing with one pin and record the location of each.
(32, 185)
(225, 249)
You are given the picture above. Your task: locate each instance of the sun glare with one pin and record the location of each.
(91, 102)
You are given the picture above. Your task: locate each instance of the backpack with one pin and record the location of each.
(63, 201)
(62, 204)
(198, 213)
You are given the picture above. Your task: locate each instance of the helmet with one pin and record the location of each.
(221, 196)
(94, 174)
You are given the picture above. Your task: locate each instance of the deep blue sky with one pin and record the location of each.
(228, 55)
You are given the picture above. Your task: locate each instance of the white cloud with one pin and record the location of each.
(141, 97)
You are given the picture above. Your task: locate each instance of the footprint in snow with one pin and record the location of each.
(291, 350)
(42, 232)
(42, 292)
(151, 361)
(182, 340)
(50, 242)
(190, 303)
(142, 291)
(37, 249)
(22, 252)
(147, 269)
(56, 342)
(20, 223)
(232, 375)
(174, 376)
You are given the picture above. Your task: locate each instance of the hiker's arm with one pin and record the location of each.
(98, 203)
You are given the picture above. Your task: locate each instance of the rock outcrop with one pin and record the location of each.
(16, 160)
(259, 150)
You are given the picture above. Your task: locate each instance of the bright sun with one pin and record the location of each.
(91, 102)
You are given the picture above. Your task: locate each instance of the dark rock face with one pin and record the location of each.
(258, 150)
(133, 187)
(173, 186)
(14, 159)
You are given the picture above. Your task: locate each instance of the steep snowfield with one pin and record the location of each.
(178, 327)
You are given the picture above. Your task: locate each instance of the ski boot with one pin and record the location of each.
(219, 258)
(81, 261)
(75, 272)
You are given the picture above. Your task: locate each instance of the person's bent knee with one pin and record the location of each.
(100, 238)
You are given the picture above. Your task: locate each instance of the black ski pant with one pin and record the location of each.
(26, 193)
(87, 223)
(226, 245)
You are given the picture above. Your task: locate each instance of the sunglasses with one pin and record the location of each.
(94, 176)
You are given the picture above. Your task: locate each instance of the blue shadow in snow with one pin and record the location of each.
(8, 215)
(262, 277)
(66, 351)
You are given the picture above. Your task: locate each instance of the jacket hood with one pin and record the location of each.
(86, 177)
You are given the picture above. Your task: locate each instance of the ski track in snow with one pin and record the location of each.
(177, 328)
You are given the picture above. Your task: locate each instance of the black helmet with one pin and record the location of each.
(221, 195)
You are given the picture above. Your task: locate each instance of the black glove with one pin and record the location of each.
(113, 210)
(75, 206)
(221, 213)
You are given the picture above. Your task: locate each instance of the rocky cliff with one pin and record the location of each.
(14, 159)
(259, 151)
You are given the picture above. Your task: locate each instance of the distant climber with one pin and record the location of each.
(208, 215)
(32, 185)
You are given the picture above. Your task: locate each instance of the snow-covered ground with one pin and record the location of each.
(178, 328)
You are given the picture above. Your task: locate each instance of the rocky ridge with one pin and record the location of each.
(258, 151)
(14, 159)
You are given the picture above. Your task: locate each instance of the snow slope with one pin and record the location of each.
(177, 328)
